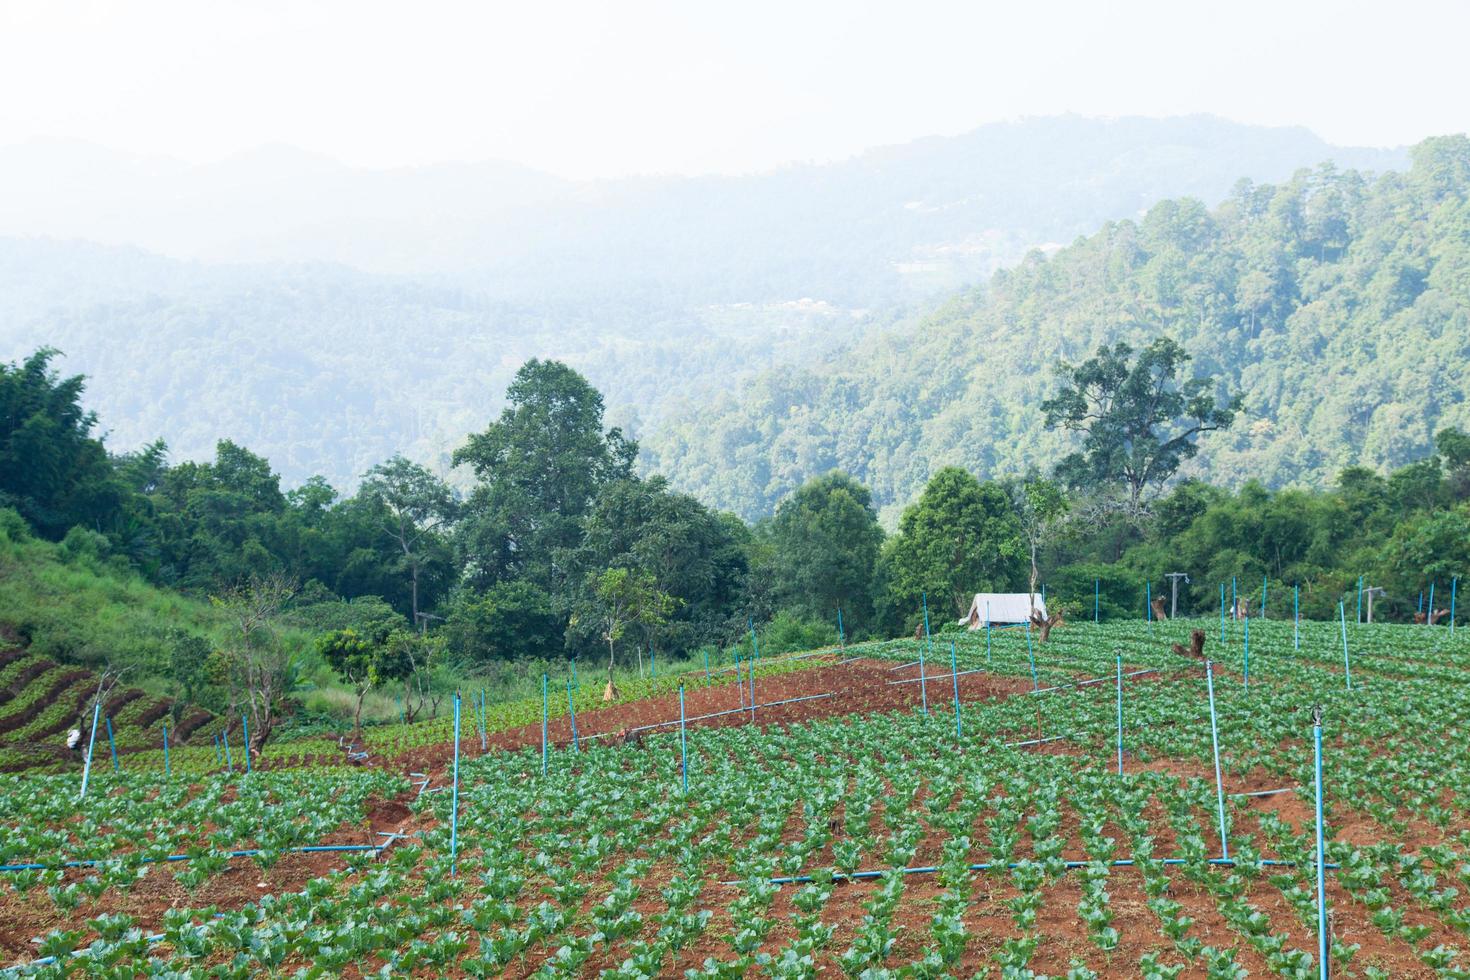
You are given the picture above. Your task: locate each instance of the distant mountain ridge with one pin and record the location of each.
(1338, 305)
(328, 317)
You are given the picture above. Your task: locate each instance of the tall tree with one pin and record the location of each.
(538, 469)
(960, 537)
(52, 469)
(1139, 421)
(826, 542)
(416, 506)
(616, 599)
(259, 664)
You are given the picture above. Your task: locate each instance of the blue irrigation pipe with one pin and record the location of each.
(1321, 848)
(112, 743)
(954, 674)
(1234, 598)
(1096, 595)
(1429, 619)
(454, 798)
(1360, 600)
(545, 706)
(1454, 588)
(484, 721)
(1296, 616)
(1032, 655)
(706, 663)
(572, 712)
(1120, 714)
(165, 749)
(245, 740)
(1094, 680)
(91, 741)
(1347, 669)
(224, 738)
(1215, 744)
(752, 689)
(923, 684)
(683, 742)
(841, 634)
(1247, 671)
(716, 714)
(1148, 603)
(1265, 584)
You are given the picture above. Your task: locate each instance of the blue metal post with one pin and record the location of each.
(923, 682)
(752, 690)
(245, 740)
(1096, 595)
(706, 663)
(1148, 603)
(111, 743)
(224, 739)
(572, 711)
(1321, 849)
(1347, 670)
(1215, 744)
(1454, 588)
(1265, 584)
(925, 597)
(544, 710)
(454, 797)
(218, 756)
(484, 722)
(683, 742)
(1429, 618)
(1222, 612)
(841, 634)
(91, 741)
(652, 663)
(165, 749)
(1360, 600)
(954, 674)
(1296, 617)
(1120, 714)
(1234, 598)
(987, 632)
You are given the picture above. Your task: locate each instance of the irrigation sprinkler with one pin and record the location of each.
(1120, 714)
(245, 741)
(454, 797)
(91, 741)
(112, 744)
(683, 742)
(1247, 670)
(1032, 656)
(1347, 669)
(572, 711)
(923, 684)
(165, 750)
(1215, 744)
(1321, 883)
(544, 711)
(954, 674)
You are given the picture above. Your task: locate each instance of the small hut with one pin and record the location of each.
(1003, 608)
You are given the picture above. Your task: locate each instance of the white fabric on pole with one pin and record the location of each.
(1005, 607)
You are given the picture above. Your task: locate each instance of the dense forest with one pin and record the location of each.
(559, 549)
(1339, 303)
(329, 317)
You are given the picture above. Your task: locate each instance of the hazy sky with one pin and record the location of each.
(609, 87)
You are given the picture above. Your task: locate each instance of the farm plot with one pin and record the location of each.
(896, 842)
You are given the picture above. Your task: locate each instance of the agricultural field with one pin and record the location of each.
(1006, 809)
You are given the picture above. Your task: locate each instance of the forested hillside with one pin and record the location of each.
(385, 311)
(1338, 303)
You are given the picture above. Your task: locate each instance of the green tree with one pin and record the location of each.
(960, 537)
(616, 599)
(363, 660)
(416, 505)
(538, 469)
(826, 544)
(52, 470)
(1138, 420)
(511, 620)
(1039, 504)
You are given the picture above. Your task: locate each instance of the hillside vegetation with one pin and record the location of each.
(1338, 302)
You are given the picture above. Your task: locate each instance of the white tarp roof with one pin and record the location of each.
(1004, 607)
